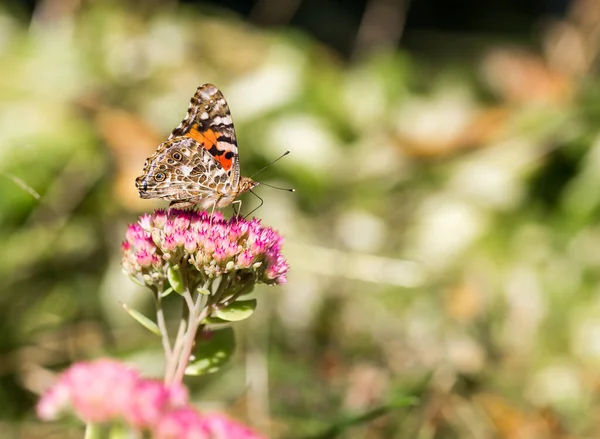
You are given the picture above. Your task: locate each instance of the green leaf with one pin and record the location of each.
(212, 352)
(237, 311)
(166, 292)
(203, 291)
(216, 283)
(138, 281)
(142, 319)
(174, 276)
(343, 425)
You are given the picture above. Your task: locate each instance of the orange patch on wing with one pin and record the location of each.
(212, 136)
(208, 139)
(225, 162)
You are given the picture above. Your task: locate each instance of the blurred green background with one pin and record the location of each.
(443, 239)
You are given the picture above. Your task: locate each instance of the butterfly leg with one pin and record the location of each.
(212, 212)
(257, 207)
(239, 207)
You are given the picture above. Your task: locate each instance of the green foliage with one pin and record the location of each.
(237, 311)
(213, 350)
(142, 319)
(174, 276)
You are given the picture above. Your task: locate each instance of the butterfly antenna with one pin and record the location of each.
(278, 188)
(273, 162)
(257, 207)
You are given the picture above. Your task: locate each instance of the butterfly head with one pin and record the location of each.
(247, 184)
(141, 184)
(150, 182)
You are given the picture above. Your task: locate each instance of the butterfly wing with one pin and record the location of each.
(208, 122)
(182, 170)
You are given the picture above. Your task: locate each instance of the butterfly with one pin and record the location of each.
(199, 162)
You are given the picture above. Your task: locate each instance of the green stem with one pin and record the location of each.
(200, 311)
(173, 361)
(162, 325)
(197, 311)
(93, 431)
(188, 339)
(184, 341)
(121, 431)
(216, 297)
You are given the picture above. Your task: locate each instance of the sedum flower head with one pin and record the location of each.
(235, 249)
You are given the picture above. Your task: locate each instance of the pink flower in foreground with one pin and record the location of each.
(55, 401)
(189, 424)
(95, 392)
(184, 423)
(212, 247)
(106, 391)
(149, 401)
(222, 427)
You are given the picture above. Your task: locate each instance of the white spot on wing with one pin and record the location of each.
(226, 146)
(223, 119)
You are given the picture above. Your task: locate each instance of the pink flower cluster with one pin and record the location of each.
(106, 391)
(213, 246)
(186, 423)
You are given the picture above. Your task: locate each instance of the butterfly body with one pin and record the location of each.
(199, 163)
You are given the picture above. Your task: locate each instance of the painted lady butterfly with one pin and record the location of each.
(199, 163)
